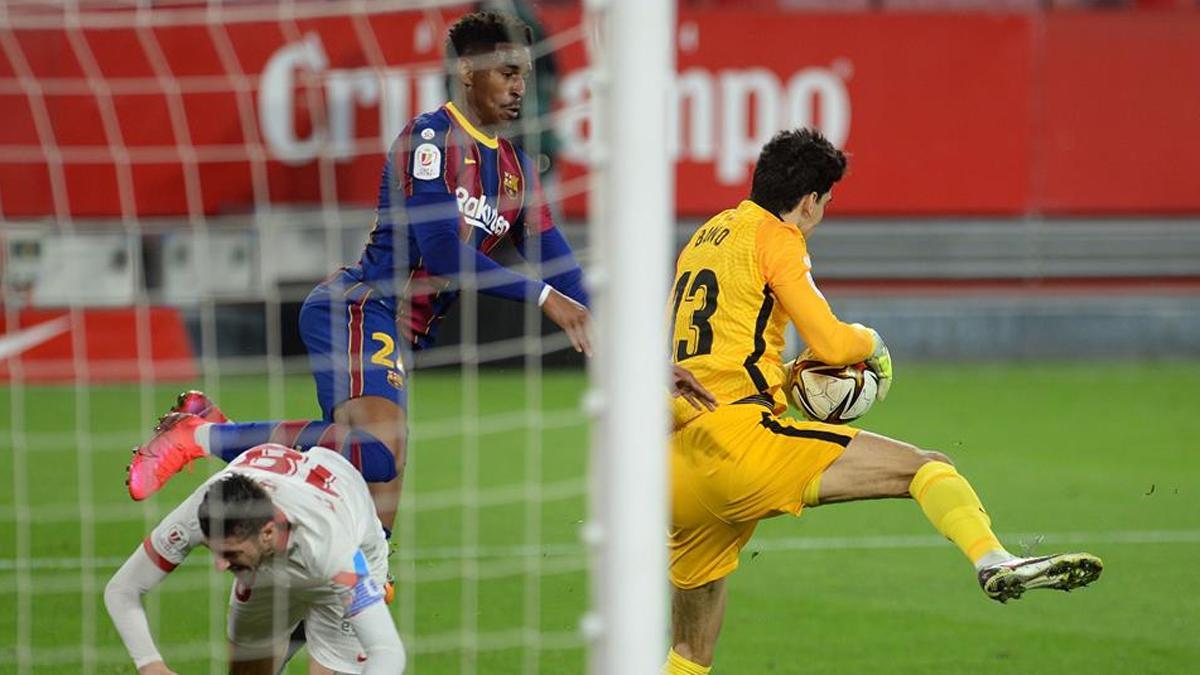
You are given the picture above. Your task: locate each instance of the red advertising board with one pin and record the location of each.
(1119, 130)
(943, 114)
(95, 345)
(927, 107)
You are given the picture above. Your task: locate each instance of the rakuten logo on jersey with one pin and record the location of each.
(478, 213)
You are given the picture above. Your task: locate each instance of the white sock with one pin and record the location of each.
(200, 435)
(994, 557)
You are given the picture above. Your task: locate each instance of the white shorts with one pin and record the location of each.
(260, 623)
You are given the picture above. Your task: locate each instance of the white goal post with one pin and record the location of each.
(631, 216)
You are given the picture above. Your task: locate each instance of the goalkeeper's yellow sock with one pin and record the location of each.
(955, 510)
(678, 665)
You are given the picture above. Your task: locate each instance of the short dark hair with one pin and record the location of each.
(480, 32)
(793, 164)
(235, 506)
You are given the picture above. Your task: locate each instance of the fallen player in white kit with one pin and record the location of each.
(300, 533)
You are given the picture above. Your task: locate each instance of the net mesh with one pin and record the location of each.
(178, 175)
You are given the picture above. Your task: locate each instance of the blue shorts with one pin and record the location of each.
(351, 336)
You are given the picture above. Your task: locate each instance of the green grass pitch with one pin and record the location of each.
(1100, 457)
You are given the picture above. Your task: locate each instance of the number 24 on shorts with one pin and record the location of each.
(383, 357)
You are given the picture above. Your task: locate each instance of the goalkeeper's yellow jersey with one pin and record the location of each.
(741, 277)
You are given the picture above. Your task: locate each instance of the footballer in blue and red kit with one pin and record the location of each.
(451, 193)
(448, 197)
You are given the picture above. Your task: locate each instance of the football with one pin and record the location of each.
(832, 394)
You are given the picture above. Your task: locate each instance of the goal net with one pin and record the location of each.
(175, 177)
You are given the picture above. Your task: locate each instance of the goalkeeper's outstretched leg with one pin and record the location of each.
(739, 464)
(875, 467)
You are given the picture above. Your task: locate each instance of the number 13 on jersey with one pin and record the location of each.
(700, 291)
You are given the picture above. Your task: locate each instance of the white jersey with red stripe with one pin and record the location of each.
(334, 538)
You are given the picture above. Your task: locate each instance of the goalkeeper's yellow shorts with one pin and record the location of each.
(731, 468)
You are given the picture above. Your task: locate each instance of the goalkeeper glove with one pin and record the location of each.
(880, 362)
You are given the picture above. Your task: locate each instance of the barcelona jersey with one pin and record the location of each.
(449, 197)
(445, 178)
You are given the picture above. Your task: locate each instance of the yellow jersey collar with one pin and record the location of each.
(762, 213)
(752, 207)
(490, 141)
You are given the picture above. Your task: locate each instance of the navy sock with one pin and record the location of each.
(230, 440)
(367, 453)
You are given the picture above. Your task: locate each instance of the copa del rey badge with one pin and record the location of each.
(427, 162)
(512, 185)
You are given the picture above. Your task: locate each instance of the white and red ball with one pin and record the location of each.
(832, 394)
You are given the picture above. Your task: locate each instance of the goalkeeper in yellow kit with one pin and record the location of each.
(743, 275)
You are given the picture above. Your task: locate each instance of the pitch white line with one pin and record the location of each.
(1041, 540)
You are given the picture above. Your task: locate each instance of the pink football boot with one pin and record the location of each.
(198, 403)
(172, 447)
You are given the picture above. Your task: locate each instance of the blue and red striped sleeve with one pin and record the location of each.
(551, 254)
